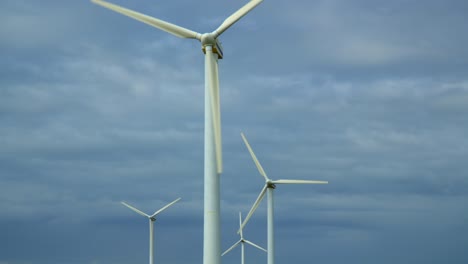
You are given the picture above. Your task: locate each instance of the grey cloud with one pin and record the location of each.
(368, 96)
(367, 36)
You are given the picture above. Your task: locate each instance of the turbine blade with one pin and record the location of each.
(134, 209)
(298, 182)
(236, 16)
(255, 245)
(240, 225)
(165, 207)
(254, 207)
(257, 163)
(211, 72)
(231, 248)
(160, 24)
(217, 121)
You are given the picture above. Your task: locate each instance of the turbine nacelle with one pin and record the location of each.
(210, 39)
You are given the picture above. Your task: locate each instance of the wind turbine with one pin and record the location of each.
(151, 219)
(213, 166)
(269, 186)
(242, 241)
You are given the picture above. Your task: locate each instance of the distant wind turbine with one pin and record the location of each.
(213, 168)
(269, 186)
(151, 219)
(242, 241)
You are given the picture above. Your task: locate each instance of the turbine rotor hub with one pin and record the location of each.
(270, 184)
(208, 39)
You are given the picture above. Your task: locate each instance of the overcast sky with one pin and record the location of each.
(96, 108)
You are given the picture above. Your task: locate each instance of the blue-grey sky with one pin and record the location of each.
(96, 108)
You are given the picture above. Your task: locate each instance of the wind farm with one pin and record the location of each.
(98, 107)
(212, 48)
(213, 167)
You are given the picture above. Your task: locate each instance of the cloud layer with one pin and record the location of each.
(370, 95)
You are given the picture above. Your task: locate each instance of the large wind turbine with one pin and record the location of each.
(151, 219)
(213, 167)
(242, 241)
(269, 186)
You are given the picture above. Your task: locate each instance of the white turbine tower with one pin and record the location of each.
(213, 167)
(242, 241)
(269, 186)
(151, 219)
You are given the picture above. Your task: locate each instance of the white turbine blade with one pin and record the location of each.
(134, 209)
(298, 182)
(231, 248)
(165, 207)
(160, 24)
(212, 78)
(254, 207)
(255, 245)
(240, 225)
(217, 121)
(257, 163)
(236, 16)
